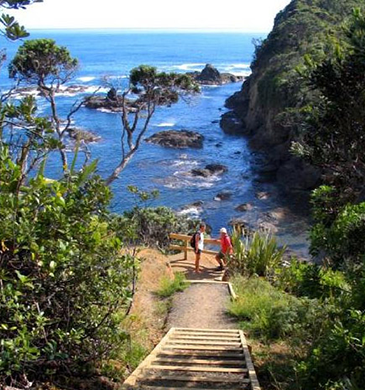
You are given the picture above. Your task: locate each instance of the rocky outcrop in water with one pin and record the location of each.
(110, 102)
(211, 76)
(177, 139)
(209, 170)
(83, 135)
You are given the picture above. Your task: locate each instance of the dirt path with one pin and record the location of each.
(201, 305)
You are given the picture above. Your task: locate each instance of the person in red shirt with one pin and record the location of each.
(226, 248)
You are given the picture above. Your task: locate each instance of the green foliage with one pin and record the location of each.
(339, 354)
(338, 231)
(150, 225)
(169, 287)
(41, 60)
(12, 29)
(333, 132)
(311, 280)
(256, 255)
(63, 281)
(302, 28)
(160, 87)
(151, 81)
(267, 312)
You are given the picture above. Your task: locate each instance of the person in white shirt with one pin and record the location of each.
(199, 245)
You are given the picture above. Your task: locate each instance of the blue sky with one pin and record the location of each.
(243, 15)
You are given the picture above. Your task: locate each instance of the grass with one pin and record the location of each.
(276, 325)
(266, 312)
(169, 287)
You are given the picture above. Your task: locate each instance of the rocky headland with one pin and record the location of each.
(261, 109)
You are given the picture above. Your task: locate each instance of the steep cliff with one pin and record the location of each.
(274, 88)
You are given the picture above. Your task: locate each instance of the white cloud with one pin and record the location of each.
(244, 15)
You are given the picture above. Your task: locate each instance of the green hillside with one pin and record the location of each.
(275, 89)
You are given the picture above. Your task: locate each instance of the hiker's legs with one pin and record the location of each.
(197, 261)
(220, 259)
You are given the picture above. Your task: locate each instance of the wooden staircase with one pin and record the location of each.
(197, 359)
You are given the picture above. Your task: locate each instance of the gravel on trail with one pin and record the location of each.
(201, 306)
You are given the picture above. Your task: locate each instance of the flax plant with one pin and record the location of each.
(256, 254)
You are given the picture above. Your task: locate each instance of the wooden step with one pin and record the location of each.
(200, 359)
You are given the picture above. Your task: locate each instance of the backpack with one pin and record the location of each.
(193, 239)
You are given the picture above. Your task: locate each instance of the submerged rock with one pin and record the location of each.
(83, 135)
(209, 170)
(224, 195)
(193, 209)
(110, 102)
(231, 124)
(267, 227)
(262, 195)
(177, 139)
(244, 207)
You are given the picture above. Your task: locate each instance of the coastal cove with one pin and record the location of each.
(214, 198)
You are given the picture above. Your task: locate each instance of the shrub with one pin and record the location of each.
(338, 356)
(63, 281)
(256, 255)
(266, 311)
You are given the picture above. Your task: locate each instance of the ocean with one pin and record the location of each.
(113, 53)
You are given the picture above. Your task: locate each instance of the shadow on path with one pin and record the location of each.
(208, 266)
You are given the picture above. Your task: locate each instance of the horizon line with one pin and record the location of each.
(151, 29)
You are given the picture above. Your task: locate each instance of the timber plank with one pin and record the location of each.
(197, 337)
(184, 248)
(181, 388)
(203, 342)
(251, 370)
(172, 359)
(199, 330)
(199, 369)
(143, 387)
(201, 348)
(195, 378)
(203, 353)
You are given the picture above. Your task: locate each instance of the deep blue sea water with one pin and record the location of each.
(114, 53)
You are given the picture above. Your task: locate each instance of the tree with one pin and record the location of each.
(49, 66)
(153, 88)
(12, 29)
(334, 125)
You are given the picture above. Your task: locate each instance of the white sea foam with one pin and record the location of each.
(86, 78)
(238, 69)
(123, 76)
(105, 110)
(190, 67)
(184, 163)
(66, 91)
(167, 124)
(240, 66)
(191, 211)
